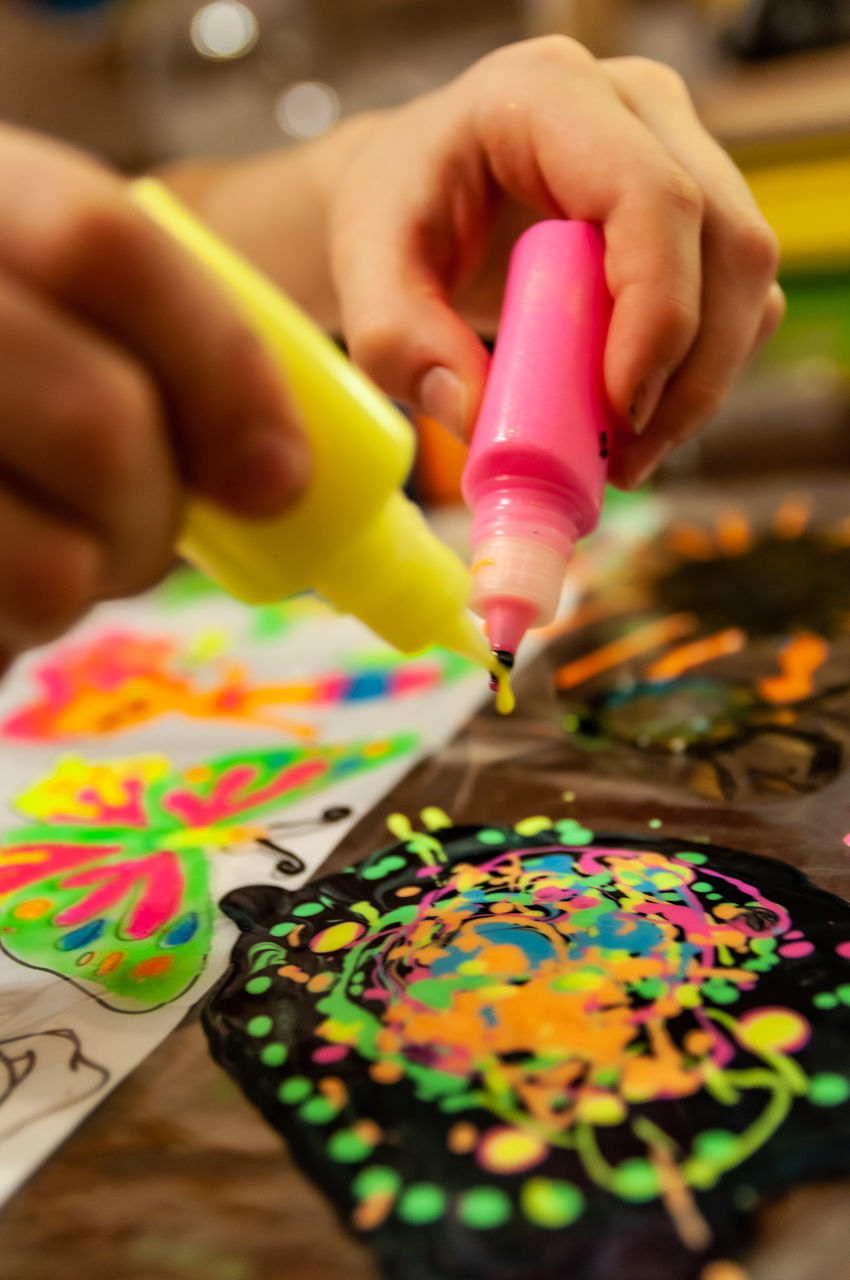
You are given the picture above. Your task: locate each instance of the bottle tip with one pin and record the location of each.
(505, 659)
(500, 681)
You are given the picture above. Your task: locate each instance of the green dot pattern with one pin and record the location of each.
(317, 1110)
(256, 986)
(490, 835)
(294, 1090)
(828, 1089)
(550, 1203)
(274, 1055)
(422, 1203)
(636, 1179)
(259, 1026)
(348, 1147)
(377, 1179)
(282, 929)
(484, 1208)
(307, 909)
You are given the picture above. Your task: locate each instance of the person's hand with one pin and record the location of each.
(123, 376)
(424, 213)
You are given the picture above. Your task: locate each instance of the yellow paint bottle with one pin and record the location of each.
(354, 537)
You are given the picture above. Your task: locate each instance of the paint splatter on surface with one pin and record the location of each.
(725, 647)
(120, 680)
(493, 1044)
(108, 887)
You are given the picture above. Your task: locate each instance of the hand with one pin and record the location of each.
(425, 212)
(123, 374)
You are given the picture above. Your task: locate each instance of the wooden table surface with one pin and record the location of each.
(175, 1177)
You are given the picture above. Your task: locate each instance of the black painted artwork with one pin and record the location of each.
(535, 1052)
(718, 660)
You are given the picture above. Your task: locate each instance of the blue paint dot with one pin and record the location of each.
(184, 930)
(366, 685)
(79, 938)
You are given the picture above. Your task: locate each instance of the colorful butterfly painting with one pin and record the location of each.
(119, 680)
(109, 886)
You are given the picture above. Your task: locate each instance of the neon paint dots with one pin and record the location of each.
(553, 1029)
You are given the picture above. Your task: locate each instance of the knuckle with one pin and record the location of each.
(681, 192)
(676, 321)
(656, 77)
(554, 50)
(757, 248)
(51, 586)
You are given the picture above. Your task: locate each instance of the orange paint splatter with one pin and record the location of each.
(641, 640)
(734, 533)
(692, 542)
(793, 516)
(151, 967)
(799, 660)
(686, 656)
(462, 1138)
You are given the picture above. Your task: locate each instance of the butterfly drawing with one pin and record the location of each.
(109, 886)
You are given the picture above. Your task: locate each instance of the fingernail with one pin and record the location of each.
(442, 396)
(266, 472)
(646, 398)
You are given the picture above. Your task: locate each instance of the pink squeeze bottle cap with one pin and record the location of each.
(537, 465)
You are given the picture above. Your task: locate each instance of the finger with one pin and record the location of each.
(394, 276)
(774, 314)
(740, 257)
(69, 229)
(634, 461)
(568, 147)
(49, 574)
(85, 437)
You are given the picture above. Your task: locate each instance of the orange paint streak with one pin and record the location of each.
(692, 542)
(641, 640)
(686, 656)
(792, 516)
(691, 1226)
(799, 660)
(734, 532)
(583, 616)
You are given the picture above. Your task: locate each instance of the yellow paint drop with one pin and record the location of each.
(435, 819)
(505, 700)
(337, 936)
(601, 1108)
(773, 1029)
(532, 826)
(511, 1150)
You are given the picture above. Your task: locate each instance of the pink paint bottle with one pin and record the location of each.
(537, 466)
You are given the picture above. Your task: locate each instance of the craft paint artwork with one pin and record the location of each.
(734, 676)
(492, 1044)
(109, 886)
(120, 680)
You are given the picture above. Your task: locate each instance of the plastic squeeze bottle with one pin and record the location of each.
(354, 537)
(536, 470)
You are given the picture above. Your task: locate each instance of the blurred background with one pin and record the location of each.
(142, 81)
